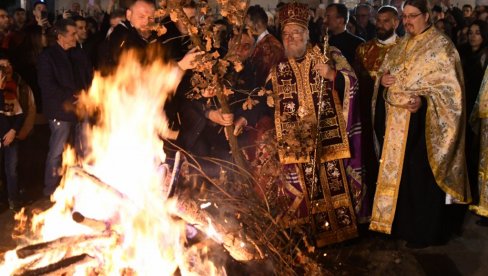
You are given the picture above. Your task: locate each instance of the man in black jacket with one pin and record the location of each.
(131, 34)
(336, 18)
(63, 71)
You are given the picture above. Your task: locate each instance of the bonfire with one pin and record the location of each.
(111, 212)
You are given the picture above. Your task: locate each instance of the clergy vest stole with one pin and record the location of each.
(296, 89)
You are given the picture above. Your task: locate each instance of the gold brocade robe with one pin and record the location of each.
(425, 65)
(480, 117)
(296, 88)
(325, 204)
(370, 56)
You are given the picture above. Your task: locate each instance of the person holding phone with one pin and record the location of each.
(75, 11)
(40, 15)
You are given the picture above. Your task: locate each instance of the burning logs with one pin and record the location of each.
(92, 223)
(60, 256)
(80, 172)
(59, 268)
(240, 247)
(40, 248)
(88, 250)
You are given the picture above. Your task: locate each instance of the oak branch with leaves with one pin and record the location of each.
(211, 68)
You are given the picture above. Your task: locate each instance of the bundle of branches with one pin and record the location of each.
(211, 68)
(239, 206)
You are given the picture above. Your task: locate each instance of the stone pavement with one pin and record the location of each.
(381, 255)
(373, 255)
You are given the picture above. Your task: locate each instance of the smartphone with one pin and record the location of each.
(43, 14)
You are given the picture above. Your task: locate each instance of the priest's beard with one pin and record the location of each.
(383, 34)
(295, 51)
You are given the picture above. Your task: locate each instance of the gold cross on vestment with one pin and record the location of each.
(287, 89)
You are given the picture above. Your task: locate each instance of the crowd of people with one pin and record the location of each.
(374, 115)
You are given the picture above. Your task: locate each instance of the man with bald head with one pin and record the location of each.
(132, 33)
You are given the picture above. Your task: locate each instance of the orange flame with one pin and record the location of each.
(126, 153)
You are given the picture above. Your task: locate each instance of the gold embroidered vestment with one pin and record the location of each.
(328, 205)
(425, 65)
(480, 116)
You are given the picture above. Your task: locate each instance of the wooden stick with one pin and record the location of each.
(239, 248)
(189, 211)
(62, 267)
(175, 174)
(99, 225)
(96, 180)
(38, 248)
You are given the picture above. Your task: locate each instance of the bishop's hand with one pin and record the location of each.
(325, 71)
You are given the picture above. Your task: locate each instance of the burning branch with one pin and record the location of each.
(62, 267)
(65, 242)
(238, 245)
(76, 170)
(89, 222)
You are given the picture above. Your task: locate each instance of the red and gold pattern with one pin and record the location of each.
(288, 188)
(294, 13)
(296, 88)
(325, 205)
(370, 56)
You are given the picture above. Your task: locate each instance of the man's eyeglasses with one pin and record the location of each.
(411, 16)
(294, 34)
